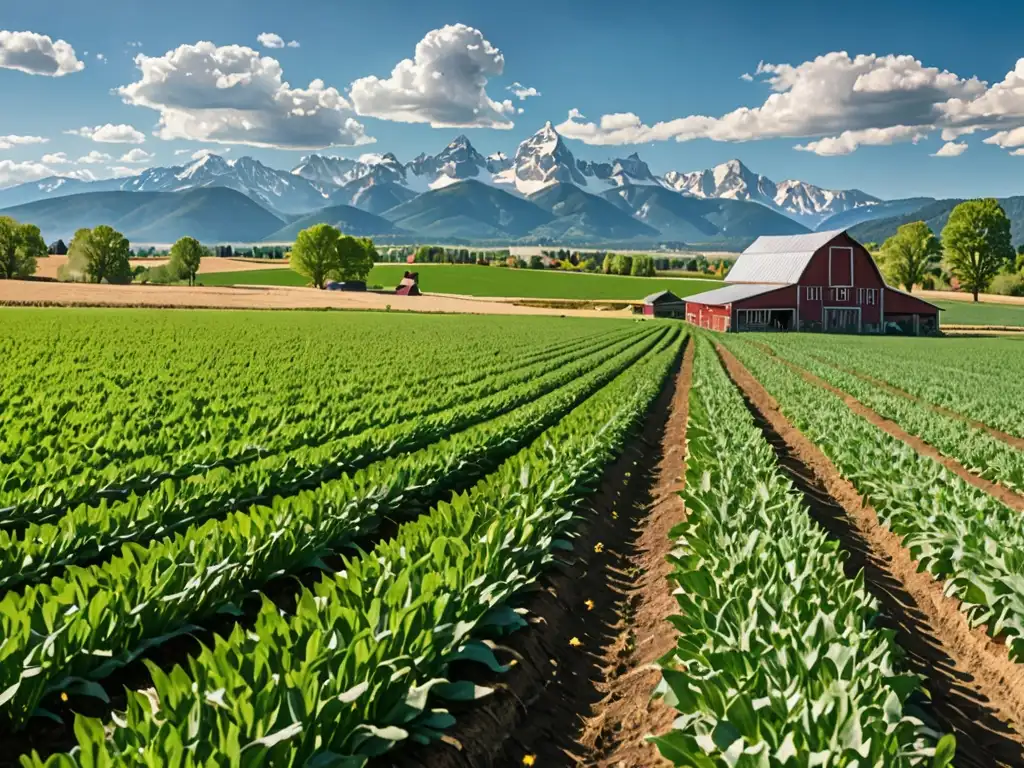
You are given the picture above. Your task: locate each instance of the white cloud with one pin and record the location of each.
(56, 158)
(951, 149)
(747, 77)
(37, 54)
(121, 171)
(137, 155)
(199, 154)
(95, 158)
(270, 40)
(848, 142)
(522, 92)
(293, 43)
(196, 154)
(846, 101)
(134, 44)
(110, 134)
(7, 142)
(101, 57)
(12, 173)
(233, 95)
(443, 85)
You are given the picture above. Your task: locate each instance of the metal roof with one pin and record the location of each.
(779, 259)
(655, 296)
(732, 293)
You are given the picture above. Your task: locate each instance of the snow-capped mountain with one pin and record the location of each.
(456, 162)
(276, 190)
(541, 160)
(498, 162)
(620, 172)
(326, 169)
(803, 202)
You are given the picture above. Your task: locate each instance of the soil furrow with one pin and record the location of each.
(976, 692)
(579, 693)
(1006, 496)
(1006, 437)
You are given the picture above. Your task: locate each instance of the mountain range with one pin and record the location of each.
(543, 194)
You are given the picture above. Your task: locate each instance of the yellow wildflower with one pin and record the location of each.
(529, 759)
(599, 547)
(575, 642)
(63, 696)
(589, 604)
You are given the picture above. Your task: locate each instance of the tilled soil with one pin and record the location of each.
(975, 691)
(579, 693)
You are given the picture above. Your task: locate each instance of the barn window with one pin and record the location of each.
(840, 266)
(839, 294)
(813, 292)
(872, 296)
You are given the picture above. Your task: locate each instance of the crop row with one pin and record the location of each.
(95, 619)
(956, 532)
(88, 531)
(976, 381)
(362, 663)
(978, 451)
(778, 660)
(44, 480)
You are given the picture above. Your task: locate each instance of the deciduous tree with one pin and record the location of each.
(315, 254)
(20, 246)
(185, 257)
(355, 257)
(976, 241)
(911, 255)
(103, 254)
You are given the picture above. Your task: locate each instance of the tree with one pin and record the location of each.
(185, 257)
(354, 258)
(20, 246)
(976, 240)
(911, 255)
(315, 253)
(102, 253)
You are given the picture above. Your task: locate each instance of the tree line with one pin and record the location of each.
(975, 247)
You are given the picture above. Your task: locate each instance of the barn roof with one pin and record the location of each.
(660, 295)
(916, 298)
(779, 259)
(732, 293)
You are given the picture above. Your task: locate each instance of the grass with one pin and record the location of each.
(471, 280)
(969, 313)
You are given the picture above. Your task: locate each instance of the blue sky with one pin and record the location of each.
(657, 61)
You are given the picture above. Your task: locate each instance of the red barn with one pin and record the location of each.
(823, 281)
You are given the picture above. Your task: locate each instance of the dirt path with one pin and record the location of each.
(43, 294)
(976, 692)
(1006, 437)
(574, 663)
(1006, 496)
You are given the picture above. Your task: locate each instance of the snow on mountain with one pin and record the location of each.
(799, 200)
(325, 169)
(498, 162)
(541, 160)
(620, 172)
(456, 162)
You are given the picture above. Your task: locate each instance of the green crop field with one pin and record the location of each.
(472, 280)
(317, 539)
(969, 313)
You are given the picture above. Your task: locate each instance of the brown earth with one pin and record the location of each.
(48, 266)
(539, 709)
(1006, 496)
(29, 293)
(975, 691)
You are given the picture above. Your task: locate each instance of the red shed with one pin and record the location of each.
(823, 281)
(410, 285)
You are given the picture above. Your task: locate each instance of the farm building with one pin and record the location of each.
(664, 304)
(823, 281)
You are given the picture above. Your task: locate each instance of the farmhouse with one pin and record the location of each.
(823, 281)
(664, 304)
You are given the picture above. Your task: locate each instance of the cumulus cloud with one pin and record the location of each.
(10, 141)
(444, 84)
(12, 173)
(271, 40)
(95, 158)
(56, 158)
(522, 92)
(110, 134)
(233, 95)
(37, 54)
(951, 149)
(121, 171)
(136, 155)
(841, 101)
(101, 57)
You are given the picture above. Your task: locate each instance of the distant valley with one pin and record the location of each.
(541, 195)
